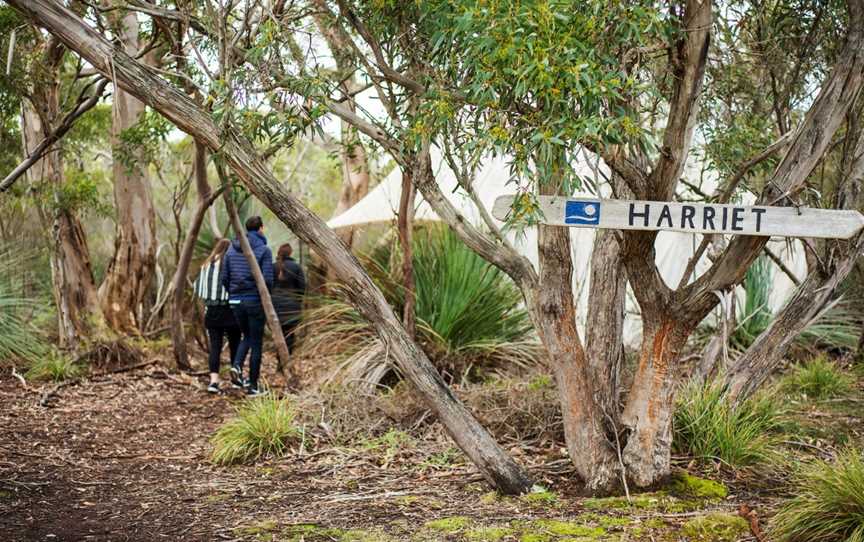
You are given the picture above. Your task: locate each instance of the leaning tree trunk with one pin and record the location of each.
(492, 461)
(266, 301)
(650, 403)
(753, 368)
(129, 275)
(72, 278)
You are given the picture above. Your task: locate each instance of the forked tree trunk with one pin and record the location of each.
(266, 301)
(753, 368)
(491, 460)
(553, 311)
(73, 285)
(405, 226)
(130, 273)
(650, 403)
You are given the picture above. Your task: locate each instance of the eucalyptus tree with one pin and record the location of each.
(53, 96)
(540, 81)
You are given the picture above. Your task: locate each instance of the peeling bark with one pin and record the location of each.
(650, 403)
(73, 285)
(130, 273)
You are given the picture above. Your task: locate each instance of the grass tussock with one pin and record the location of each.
(53, 366)
(829, 503)
(19, 337)
(708, 428)
(263, 426)
(818, 379)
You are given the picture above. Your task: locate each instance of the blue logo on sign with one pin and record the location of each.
(582, 212)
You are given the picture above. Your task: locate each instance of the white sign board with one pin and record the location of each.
(691, 217)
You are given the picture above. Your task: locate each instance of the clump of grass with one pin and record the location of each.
(53, 366)
(818, 379)
(707, 427)
(262, 426)
(829, 505)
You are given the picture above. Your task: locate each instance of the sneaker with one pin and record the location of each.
(255, 392)
(237, 378)
(213, 388)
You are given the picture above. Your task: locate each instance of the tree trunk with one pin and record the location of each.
(753, 368)
(72, 278)
(130, 273)
(405, 224)
(266, 301)
(604, 335)
(206, 197)
(553, 312)
(650, 403)
(491, 460)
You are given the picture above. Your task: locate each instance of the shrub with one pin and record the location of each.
(469, 313)
(818, 379)
(707, 427)
(262, 426)
(53, 366)
(19, 338)
(829, 503)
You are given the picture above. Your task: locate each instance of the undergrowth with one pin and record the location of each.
(263, 426)
(708, 428)
(818, 379)
(54, 366)
(469, 314)
(829, 503)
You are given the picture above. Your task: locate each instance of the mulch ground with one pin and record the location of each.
(125, 457)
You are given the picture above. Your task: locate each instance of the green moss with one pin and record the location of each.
(542, 496)
(488, 534)
(701, 488)
(449, 525)
(607, 522)
(568, 528)
(262, 530)
(5, 494)
(535, 537)
(217, 497)
(490, 498)
(644, 501)
(309, 532)
(715, 527)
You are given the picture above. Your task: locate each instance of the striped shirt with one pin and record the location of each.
(208, 287)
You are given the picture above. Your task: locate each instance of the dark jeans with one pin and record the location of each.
(250, 317)
(288, 329)
(217, 335)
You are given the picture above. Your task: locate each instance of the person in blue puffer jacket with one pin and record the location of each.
(244, 299)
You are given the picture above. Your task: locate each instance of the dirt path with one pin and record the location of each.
(125, 458)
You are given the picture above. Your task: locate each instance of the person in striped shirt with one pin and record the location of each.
(218, 317)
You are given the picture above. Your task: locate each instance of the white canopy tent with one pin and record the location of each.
(673, 250)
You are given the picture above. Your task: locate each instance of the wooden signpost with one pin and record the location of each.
(691, 217)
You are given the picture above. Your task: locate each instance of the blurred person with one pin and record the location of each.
(289, 287)
(218, 316)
